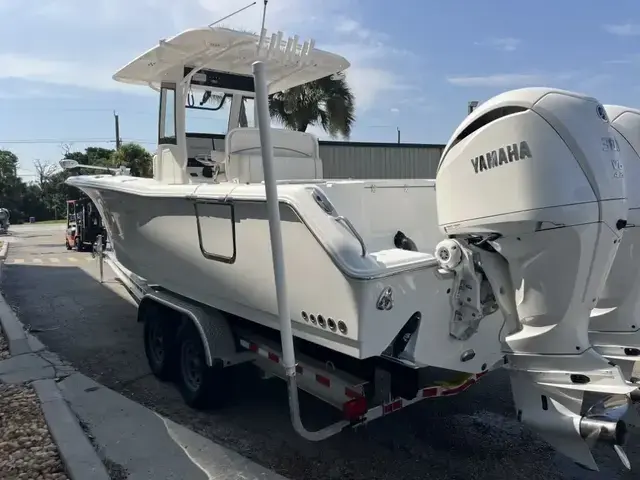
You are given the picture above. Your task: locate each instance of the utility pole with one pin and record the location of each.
(471, 106)
(398, 130)
(117, 120)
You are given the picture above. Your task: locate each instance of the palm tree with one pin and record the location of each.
(327, 102)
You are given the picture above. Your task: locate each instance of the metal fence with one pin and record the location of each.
(374, 160)
(379, 160)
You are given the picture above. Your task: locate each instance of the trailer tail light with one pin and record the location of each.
(322, 380)
(355, 408)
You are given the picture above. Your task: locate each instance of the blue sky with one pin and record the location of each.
(415, 63)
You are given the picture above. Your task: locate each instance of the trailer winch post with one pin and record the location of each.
(277, 254)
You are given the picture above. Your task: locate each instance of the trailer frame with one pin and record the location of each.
(359, 400)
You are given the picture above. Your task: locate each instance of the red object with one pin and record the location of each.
(323, 380)
(355, 409)
(273, 357)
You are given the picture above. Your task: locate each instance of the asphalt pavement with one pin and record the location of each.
(470, 436)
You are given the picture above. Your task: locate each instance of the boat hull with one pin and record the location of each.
(216, 251)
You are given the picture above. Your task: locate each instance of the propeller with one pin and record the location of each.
(602, 424)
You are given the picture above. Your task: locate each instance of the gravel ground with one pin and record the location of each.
(26, 448)
(4, 348)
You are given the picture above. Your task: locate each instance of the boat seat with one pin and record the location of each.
(396, 257)
(170, 167)
(295, 155)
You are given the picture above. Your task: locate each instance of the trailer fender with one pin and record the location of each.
(215, 332)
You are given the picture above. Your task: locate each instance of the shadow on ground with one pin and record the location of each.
(472, 436)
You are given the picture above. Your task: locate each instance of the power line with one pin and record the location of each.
(78, 140)
(64, 140)
(86, 109)
(43, 141)
(105, 110)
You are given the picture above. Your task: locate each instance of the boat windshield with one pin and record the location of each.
(207, 112)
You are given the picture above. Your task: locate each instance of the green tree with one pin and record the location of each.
(327, 102)
(135, 157)
(51, 190)
(11, 185)
(91, 156)
(46, 197)
(56, 193)
(33, 205)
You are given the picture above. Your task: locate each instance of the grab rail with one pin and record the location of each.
(354, 232)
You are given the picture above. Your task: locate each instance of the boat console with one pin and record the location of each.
(214, 65)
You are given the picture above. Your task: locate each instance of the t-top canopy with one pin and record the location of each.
(288, 63)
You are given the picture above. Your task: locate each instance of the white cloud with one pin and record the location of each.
(623, 30)
(506, 44)
(24, 66)
(348, 26)
(118, 34)
(507, 80)
(319, 132)
(619, 61)
(370, 84)
(625, 60)
(62, 73)
(578, 80)
(374, 85)
(281, 14)
(28, 92)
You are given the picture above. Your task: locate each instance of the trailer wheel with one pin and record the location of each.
(159, 347)
(201, 386)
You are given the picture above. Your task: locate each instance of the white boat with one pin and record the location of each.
(212, 234)
(389, 282)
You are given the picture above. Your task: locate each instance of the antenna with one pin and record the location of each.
(234, 13)
(264, 17)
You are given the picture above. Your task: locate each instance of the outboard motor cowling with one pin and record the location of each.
(536, 176)
(615, 322)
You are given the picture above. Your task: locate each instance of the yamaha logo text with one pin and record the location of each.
(501, 156)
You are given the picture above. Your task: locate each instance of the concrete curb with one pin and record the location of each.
(11, 326)
(77, 453)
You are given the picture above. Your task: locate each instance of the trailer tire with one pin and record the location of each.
(201, 386)
(160, 346)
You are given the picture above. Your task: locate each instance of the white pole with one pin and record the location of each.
(273, 211)
(277, 254)
(99, 252)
